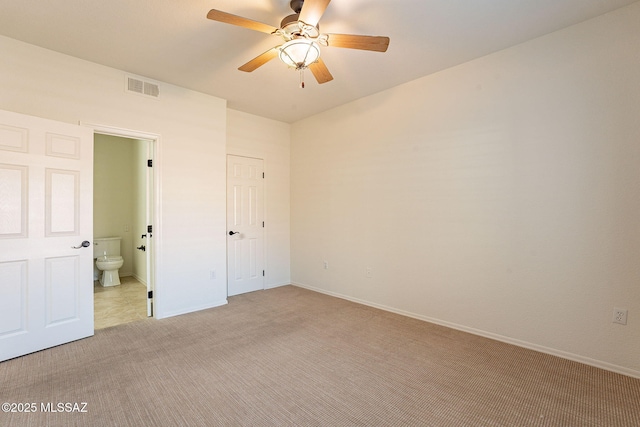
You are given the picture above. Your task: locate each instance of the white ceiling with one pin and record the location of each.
(172, 41)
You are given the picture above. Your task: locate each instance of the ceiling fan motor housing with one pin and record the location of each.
(296, 5)
(289, 20)
(294, 28)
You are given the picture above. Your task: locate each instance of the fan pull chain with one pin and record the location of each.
(301, 78)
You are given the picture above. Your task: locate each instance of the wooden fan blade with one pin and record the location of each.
(228, 18)
(320, 71)
(260, 60)
(312, 11)
(375, 43)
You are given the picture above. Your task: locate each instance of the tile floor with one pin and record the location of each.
(115, 305)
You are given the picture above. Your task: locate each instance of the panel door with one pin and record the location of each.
(245, 226)
(46, 212)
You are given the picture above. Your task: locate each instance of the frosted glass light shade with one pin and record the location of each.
(299, 53)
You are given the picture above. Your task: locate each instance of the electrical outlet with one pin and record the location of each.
(212, 274)
(368, 273)
(620, 316)
(326, 265)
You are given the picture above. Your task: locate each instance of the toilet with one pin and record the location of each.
(106, 251)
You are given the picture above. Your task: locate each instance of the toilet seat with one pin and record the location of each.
(109, 258)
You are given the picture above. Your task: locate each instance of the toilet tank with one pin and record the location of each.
(106, 246)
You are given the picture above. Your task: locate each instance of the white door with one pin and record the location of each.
(46, 213)
(245, 225)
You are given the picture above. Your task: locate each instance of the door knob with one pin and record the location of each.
(231, 233)
(84, 244)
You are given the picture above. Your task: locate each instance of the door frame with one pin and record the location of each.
(153, 283)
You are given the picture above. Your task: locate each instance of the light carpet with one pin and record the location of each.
(292, 357)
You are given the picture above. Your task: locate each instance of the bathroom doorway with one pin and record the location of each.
(123, 204)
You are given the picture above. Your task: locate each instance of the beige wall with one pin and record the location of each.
(140, 156)
(499, 197)
(113, 194)
(119, 195)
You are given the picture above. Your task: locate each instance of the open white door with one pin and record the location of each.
(46, 233)
(245, 225)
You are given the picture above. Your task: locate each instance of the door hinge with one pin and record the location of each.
(150, 163)
(262, 273)
(262, 224)
(150, 294)
(149, 229)
(262, 175)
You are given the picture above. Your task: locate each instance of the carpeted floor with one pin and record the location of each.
(292, 357)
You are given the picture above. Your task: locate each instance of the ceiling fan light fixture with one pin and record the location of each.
(301, 36)
(299, 53)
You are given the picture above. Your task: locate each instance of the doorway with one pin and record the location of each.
(123, 200)
(245, 224)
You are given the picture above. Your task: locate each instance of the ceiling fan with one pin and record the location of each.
(302, 39)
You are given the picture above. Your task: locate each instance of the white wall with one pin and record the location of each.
(190, 238)
(253, 136)
(501, 196)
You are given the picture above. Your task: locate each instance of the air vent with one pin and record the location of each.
(142, 87)
(151, 89)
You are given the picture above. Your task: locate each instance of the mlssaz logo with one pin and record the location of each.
(63, 407)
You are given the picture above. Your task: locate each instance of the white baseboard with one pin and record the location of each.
(190, 310)
(276, 285)
(139, 279)
(542, 349)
